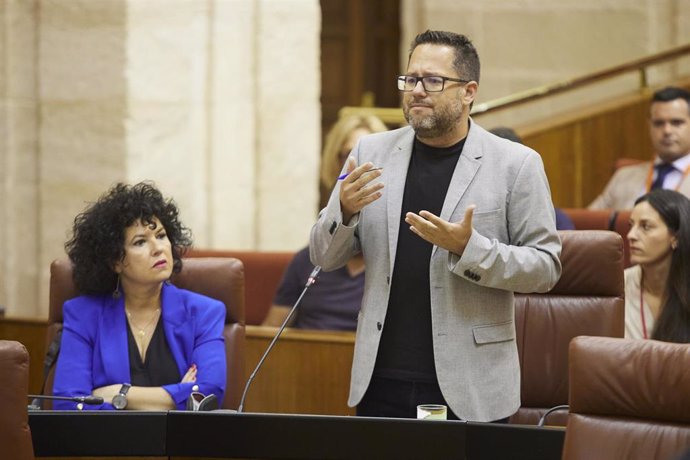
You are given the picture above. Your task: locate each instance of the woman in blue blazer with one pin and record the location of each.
(133, 338)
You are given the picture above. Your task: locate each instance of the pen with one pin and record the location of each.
(347, 174)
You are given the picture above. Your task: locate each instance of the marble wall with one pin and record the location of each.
(217, 101)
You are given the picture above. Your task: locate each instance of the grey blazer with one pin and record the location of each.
(514, 247)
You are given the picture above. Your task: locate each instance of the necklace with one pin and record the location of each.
(142, 331)
(644, 322)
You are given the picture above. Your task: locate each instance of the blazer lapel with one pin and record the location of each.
(395, 187)
(179, 334)
(113, 340)
(465, 170)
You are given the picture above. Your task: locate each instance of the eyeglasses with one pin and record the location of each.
(431, 83)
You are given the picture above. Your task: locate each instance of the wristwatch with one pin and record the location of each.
(120, 399)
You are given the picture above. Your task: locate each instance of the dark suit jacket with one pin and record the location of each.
(94, 350)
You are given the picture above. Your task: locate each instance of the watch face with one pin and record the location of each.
(119, 401)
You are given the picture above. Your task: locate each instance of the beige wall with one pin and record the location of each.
(527, 43)
(217, 101)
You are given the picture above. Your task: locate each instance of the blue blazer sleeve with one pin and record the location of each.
(200, 339)
(74, 373)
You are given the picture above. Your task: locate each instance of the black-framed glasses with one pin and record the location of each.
(431, 83)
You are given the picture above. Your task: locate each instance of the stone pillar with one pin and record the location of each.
(83, 86)
(288, 121)
(19, 121)
(216, 101)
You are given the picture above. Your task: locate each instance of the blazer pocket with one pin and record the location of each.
(489, 213)
(491, 333)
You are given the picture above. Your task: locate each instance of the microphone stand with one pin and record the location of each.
(312, 278)
(89, 399)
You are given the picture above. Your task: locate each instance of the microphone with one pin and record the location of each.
(312, 278)
(91, 400)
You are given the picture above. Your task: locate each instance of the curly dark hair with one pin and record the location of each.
(98, 234)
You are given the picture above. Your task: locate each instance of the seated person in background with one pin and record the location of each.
(669, 129)
(657, 289)
(334, 300)
(132, 332)
(563, 222)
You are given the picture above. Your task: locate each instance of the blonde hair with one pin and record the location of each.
(337, 135)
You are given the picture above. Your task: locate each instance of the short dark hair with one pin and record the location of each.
(98, 234)
(466, 62)
(671, 93)
(673, 324)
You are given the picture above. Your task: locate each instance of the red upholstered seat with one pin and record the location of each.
(262, 274)
(587, 300)
(15, 435)
(629, 400)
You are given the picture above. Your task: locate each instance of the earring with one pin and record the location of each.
(116, 293)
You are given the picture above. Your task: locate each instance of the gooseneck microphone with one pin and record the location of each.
(91, 400)
(312, 278)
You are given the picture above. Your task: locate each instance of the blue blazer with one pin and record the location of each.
(94, 351)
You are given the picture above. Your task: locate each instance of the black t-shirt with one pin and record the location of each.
(159, 368)
(406, 348)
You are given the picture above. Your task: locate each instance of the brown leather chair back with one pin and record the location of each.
(263, 272)
(629, 399)
(622, 227)
(591, 219)
(219, 278)
(587, 300)
(15, 435)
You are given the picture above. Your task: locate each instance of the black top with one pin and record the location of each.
(406, 348)
(159, 368)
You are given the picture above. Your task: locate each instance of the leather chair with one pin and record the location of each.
(587, 300)
(219, 278)
(15, 435)
(263, 272)
(621, 226)
(629, 399)
(591, 219)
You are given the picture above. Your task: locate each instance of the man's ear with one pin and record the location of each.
(471, 90)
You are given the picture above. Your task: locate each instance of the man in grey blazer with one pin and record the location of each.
(669, 129)
(452, 224)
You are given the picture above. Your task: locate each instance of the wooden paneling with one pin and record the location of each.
(307, 372)
(359, 54)
(580, 148)
(30, 332)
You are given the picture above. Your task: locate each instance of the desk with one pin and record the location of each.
(308, 372)
(280, 436)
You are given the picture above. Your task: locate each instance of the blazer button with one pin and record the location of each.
(379, 325)
(468, 273)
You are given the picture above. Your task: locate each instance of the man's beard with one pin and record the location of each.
(442, 121)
